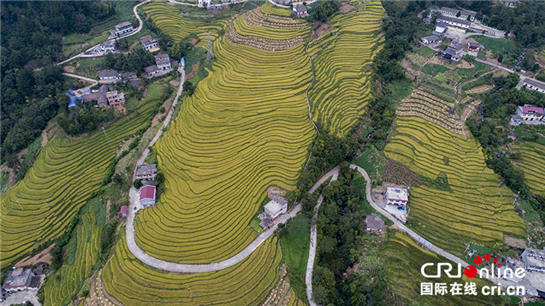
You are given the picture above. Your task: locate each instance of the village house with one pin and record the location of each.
(214, 7)
(149, 43)
(374, 224)
(475, 47)
(123, 211)
(148, 196)
(146, 172)
(109, 75)
(440, 28)
(204, 2)
(453, 51)
(430, 40)
(397, 196)
(128, 76)
(299, 11)
(107, 46)
(19, 279)
(455, 22)
(534, 85)
(274, 209)
(530, 112)
(151, 70)
(534, 260)
(163, 62)
(115, 98)
(510, 3)
(122, 29)
(456, 13)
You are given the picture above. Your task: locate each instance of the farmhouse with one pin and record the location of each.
(146, 172)
(163, 62)
(115, 98)
(148, 196)
(530, 112)
(374, 224)
(397, 196)
(456, 13)
(123, 211)
(127, 76)
(440, 28)
(430, 40)
(107, 46)
(471, 46)
(509, 3)
(20, 279)
(149, 43)
(122, 29)
(277, 207)
(534, 260)
(151, 70)
(534, 85)
(109, 75)
(204, 2)
(299, 11)
(455, 22)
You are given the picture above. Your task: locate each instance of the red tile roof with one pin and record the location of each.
(147, 192)
(124, 209)
(532, 110)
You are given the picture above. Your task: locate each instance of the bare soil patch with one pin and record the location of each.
(69, 69)
(399, 173)
(480, 89)
(124, 146)
(514, 242)
(45, 140)
(465, 64)
(323, 29)
(273, 190)
(346, 8)
(193, 72)
(43, 256)
(157, 119)
(281, 293)
(175, 83)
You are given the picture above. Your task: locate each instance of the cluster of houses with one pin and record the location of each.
(455, 50)
(528, 114)
(104, 47)
(273, 210)
(103, 97)
(460, 19)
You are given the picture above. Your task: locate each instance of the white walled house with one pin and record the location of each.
(148, 196)
(277, 207)
(534, 85)
(397, 196)
(530, 112)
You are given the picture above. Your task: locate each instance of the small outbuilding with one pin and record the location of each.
(146, 172)
(123, 211)
(374, 224)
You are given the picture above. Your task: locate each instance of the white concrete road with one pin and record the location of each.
(19, 298)
(333, 173)
(188, 268)
(82, 78)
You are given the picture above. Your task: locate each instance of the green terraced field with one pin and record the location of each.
(60, 182)
(403, 261)
(246, 283)
(243, 130)
(268, 9)
(475, 209)
(167, 18)
(68, 280)
(343, 67)
(533, 164)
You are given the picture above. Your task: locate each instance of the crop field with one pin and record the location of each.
(462, 201)
(246, 283)
(38, 208)
(533, 165)
(244, 129)
(167, 18)
(67, 280)
(342, 66)
(403, 261)
(269, 10)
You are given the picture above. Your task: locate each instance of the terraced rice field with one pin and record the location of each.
(343, 66)
(403, 261)
(167, 18)
(244, 129)
(472, 207)
(533, 165)
(59, 183)
(68, 280)
(246, 283)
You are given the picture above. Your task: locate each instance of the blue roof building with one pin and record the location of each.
(182, 62)
(73, 100)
